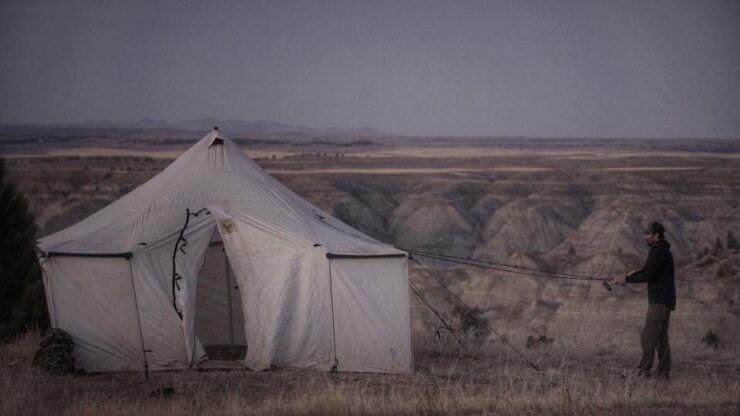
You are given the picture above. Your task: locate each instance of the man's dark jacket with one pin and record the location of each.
(658, 273)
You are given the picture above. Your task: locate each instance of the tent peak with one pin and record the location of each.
(216, 140)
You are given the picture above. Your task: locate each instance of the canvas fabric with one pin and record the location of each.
(371, 315)
(277, 244)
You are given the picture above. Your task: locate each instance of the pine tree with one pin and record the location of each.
(22, 300)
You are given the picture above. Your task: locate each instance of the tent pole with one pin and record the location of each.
(138, 318)
(333, 324)
(228, 305)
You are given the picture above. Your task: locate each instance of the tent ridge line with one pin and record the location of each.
(363, 256)
(127, 254)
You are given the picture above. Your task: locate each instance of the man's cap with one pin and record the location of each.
(655, 227)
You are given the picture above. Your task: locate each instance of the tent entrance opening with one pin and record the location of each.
(219, 317)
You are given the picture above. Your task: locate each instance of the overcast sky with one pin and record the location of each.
(493, 68)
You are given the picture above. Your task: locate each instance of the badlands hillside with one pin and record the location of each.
(575, 206)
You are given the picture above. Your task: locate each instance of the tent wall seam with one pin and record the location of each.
(138, 319)
(53, 312)
(181, 248)
(197, 287)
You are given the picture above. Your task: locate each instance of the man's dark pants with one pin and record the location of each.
(655, 336)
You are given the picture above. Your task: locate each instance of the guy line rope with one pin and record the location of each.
(489, 265)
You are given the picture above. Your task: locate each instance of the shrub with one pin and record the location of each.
(542, 341)
(732, 243)
(726, 270)
(711, 340)
(470, 321)
(718, 246)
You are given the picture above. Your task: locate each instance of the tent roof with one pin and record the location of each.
(214, 174)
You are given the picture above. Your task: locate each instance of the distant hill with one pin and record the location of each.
(231, 127)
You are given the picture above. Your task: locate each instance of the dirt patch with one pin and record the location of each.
(479, 152)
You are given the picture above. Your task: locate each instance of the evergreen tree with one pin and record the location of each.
(22, 300)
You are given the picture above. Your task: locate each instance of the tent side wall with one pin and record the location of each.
(371, 314)
(93, 300)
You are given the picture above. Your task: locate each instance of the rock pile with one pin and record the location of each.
(55, 354)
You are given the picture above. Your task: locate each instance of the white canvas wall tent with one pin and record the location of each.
(137, 284)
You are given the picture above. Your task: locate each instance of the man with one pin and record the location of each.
(658, 273)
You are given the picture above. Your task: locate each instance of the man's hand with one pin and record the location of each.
(620, 280)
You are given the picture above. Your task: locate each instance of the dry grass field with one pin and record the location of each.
(571, 381)
(576, 206)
